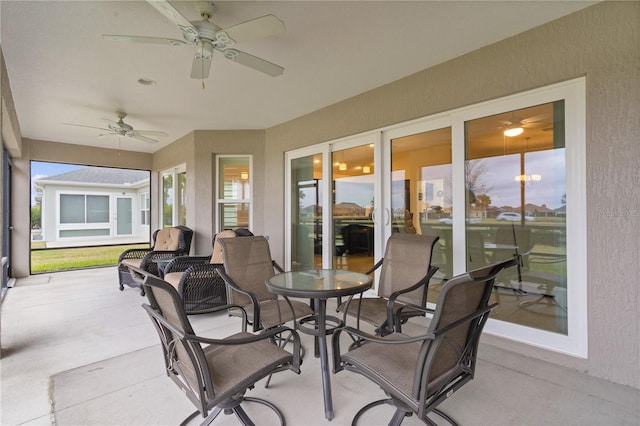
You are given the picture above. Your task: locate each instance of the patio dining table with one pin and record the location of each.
(320, 285)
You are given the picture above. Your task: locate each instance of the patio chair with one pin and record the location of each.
(419, 372)
(513, 241)
(165, 244)
(247, 265)
(196, 278)
(214, 374)
(402, 289)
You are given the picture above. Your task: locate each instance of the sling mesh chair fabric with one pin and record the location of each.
(247, 266)
(197, 278)
(165, 244)
(419, 372)
(214, 373)
(402, 289)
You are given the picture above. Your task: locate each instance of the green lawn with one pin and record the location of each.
(63, 259)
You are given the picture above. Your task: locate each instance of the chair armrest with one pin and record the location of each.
(376, 266)
(182, 263)
(231, 340)
(254, 299)
(135, 253)
(277, 267)
(424, 281)
(394, 322)
(360, 336)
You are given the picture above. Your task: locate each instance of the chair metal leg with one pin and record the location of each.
(242, 416)
(445, 416)
(233, 407)
(267, 404)
(366, 407)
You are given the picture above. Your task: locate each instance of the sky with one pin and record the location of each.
(40, 170)
(499, 178)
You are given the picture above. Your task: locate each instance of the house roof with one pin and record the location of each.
(100, 175)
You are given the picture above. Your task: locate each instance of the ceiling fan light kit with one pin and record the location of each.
(208, 37)
(513, 131)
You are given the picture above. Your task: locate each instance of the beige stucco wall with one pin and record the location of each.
(198, 151)
(602, 43)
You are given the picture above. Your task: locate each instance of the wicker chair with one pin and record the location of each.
(214, 374)
(419, 372)
(197, 278)
(165, 244)
(402, 290)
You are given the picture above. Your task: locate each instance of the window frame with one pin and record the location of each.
(175, 172)
(221, 201)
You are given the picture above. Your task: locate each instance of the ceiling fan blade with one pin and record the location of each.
(110, 121)
(172, 14)
(88, 127)
(254, 62)
(151, 133)
(138, 39)
(136, 135)
(200, 67)
(256, 28)
(107, 134)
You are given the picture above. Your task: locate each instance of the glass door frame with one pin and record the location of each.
(326, 150)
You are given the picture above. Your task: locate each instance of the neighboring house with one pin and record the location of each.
(95, 204)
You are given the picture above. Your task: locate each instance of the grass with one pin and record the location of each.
(64, 259)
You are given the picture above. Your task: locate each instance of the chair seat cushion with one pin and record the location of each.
(173, 278)
(270, 317)
(131, 262)
(380, 362)
(372, 310)
(234, 367)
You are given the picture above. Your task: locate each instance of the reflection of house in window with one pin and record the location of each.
(93, 204)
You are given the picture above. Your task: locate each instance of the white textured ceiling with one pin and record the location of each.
(61, 70)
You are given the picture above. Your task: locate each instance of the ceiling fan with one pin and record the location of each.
(208, 37)
(121, 128)
(515, 127)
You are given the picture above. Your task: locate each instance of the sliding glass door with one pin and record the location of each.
(493, 181)
(331, 206)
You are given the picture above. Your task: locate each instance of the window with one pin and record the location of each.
(80, 208)
(517, 187)
(174, 191)
(234, 192)
(145, 208)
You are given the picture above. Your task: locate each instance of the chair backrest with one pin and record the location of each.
(514, 235)
(185, 362)
(452, 353)
(407, 259)
(247, 261)
(177, 239)
(216, 254)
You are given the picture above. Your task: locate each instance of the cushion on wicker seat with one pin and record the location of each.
(173, 278)
(216, 255)
(132, 262)
(167, 239)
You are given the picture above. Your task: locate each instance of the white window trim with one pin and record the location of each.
(174, 171)
(84, 225)
(220, 201)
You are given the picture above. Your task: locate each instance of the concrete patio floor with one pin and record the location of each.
(76, 351)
